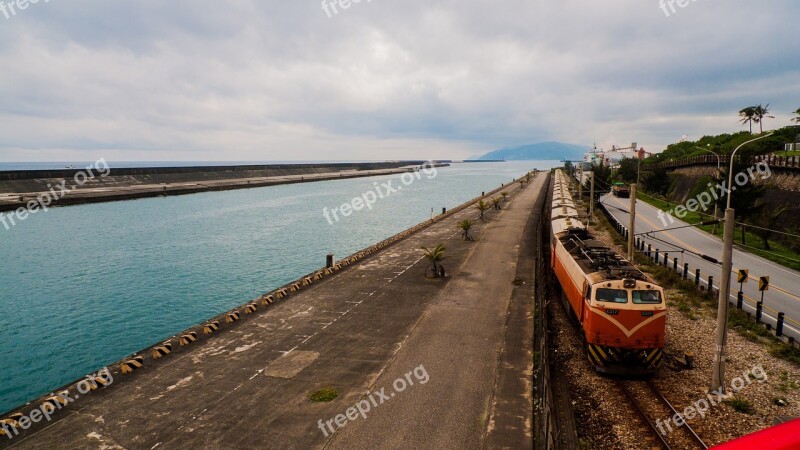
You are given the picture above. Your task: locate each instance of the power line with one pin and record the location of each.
(771, 253)
(768, 229)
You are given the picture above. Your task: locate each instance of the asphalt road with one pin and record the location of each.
(782, 295)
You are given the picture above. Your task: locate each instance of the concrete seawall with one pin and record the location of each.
(19, 188)
(230, 323)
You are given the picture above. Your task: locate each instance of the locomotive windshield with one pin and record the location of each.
(612, 295)
(647, 297)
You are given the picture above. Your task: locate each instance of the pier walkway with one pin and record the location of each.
(360, 331)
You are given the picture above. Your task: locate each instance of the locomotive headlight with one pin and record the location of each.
(629, 283)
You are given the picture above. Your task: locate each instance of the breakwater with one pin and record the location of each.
(18, 188)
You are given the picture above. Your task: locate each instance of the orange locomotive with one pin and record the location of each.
(622, 313)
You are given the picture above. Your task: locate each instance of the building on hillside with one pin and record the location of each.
(614, 156)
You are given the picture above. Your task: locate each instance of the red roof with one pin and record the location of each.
(781, 437)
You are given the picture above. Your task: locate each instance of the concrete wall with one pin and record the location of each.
(782, 189)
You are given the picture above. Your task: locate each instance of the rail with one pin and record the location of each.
(773, 161)
(648, 420)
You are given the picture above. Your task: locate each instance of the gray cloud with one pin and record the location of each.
(388, 79)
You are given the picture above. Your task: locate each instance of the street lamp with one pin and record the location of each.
(719, 171)
(718, 377)
(730, 172)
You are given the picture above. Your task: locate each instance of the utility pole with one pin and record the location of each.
(632, 222)
(591, 202)
(718, 380)
(580, 183)
(718, 376)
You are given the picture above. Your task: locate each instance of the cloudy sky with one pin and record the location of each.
(382, 79)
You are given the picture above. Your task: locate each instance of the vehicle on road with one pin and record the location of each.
(621, 190)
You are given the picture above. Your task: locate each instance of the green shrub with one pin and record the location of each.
(327, 394)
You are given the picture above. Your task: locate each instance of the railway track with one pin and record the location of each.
(651, 405)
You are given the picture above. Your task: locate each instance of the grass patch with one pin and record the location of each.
(740, 321)
(324, 395)
(742, 405)
(788, 153)
(780, 350)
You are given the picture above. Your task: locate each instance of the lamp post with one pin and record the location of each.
(591, 202)
(719, 171)
(718, 376)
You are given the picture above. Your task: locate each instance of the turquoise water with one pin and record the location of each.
(83, 286)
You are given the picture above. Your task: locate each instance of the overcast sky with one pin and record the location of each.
(384, 79)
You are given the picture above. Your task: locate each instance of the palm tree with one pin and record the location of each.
(465, 226)
(797, 119)
(759, 114)
(435, 255)
(748, 116)
(505, 196)
(482, 207)
(496, 203)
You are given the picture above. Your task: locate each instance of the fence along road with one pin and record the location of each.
(784, 288)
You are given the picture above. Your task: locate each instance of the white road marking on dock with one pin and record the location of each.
(342, 314)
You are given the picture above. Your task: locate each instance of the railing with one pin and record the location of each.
(773, 161)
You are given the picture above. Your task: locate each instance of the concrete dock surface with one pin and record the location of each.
(359, 331)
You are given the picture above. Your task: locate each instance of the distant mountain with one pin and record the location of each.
(543, 150)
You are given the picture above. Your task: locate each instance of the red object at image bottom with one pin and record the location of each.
(785, 436)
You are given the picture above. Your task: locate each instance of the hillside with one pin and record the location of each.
(726, 143)
(540, 151)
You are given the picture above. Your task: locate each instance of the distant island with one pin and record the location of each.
(541, 151)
